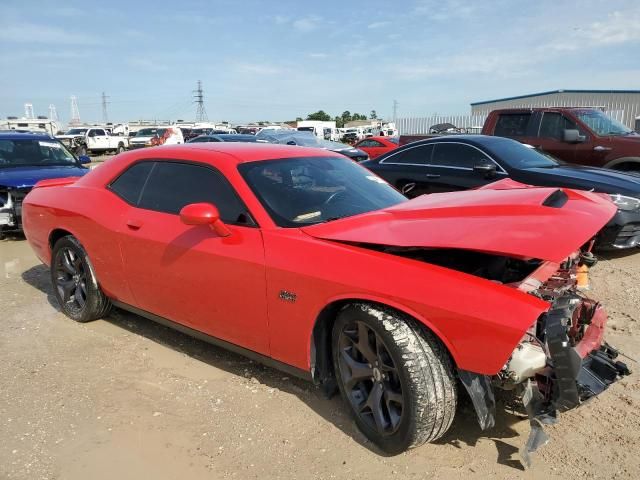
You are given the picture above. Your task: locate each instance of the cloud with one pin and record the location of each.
(307, 24)
(318, 55)
(25, 32)
(281, 19)
(378, 24)
(259, 69)
(443, 10)
(146, 64)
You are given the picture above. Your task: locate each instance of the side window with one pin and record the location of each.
(458, 155)
(375, 143)
(98, 133)
(553, 125)
(92, 133)
(173, 185)
(512, 124)
(420, 155)
(128, 185)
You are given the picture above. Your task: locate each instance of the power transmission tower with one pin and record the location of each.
(28, 110)
(198, 99)
(53, 114)
(105, 117)
(395, 111)
(75, 113)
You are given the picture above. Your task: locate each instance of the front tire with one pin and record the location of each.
(74, 282)
(396, 377)
(120, 149)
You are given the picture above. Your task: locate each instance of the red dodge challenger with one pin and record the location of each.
(310, 263)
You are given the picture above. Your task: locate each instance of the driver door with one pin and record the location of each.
(189, 274)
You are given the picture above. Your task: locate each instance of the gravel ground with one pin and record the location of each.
(125, 398)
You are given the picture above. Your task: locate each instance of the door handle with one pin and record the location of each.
(134, 224)
(432, 175)
(600, 148)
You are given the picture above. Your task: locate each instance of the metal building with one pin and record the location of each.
(623, 105)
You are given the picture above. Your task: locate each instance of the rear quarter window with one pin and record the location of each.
(129, 184)
(512, 124)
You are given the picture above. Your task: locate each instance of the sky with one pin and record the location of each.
(277, 60)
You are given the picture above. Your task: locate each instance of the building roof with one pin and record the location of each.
(551, 92)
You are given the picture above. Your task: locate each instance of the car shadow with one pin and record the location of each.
(613, 254)
(464, 430)
(12, 237)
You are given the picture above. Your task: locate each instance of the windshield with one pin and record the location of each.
(394, 140)
(27, 152)
(76, 131)
(602, 124)
(146, 132)
(516, 155)
(308, 190)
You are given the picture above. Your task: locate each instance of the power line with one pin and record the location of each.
(105, 117)
(198, 96)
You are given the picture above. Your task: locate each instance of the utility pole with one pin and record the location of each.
(395, 111)
(198, 99)
(75, 113)
(105, 117)
(53, 114)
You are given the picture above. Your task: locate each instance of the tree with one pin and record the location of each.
(298, 119)
(373, 115)
(339, 121)
(319, 115)
(346, 116)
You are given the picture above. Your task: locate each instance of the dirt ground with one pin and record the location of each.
(125, 398)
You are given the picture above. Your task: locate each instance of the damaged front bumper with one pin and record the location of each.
(578, 366)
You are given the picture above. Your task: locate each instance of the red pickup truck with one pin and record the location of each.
(586, 136)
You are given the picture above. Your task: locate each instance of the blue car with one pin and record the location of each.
(25, 159)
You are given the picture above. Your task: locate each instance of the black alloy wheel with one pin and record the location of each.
(370, 378)
(75, 284)
(71, 279)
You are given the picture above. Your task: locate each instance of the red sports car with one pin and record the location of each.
(376, 146)
(308, 262)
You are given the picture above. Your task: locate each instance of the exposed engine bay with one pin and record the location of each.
(561, 361)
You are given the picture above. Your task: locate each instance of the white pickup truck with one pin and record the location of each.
(86, 140)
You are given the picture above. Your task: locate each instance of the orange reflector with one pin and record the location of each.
(582, 277)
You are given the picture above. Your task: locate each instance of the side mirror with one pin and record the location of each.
(84, 159)
(487, 169)
(204, 214)
(572, 136)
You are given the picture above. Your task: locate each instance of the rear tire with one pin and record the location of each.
(396, 377)
(120, 149)
(74, 282)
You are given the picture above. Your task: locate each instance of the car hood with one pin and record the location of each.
(27, 177)
(589, 178)
(141, 139)
(504, 218)
(66, 137)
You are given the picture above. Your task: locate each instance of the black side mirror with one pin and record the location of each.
(487, 169)
(572, 136)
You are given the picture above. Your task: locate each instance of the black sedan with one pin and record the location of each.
(462, 162)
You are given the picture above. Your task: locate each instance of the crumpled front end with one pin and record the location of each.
(11, 208)
(562, 360)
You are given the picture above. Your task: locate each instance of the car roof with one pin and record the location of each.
(238, 151)
(5, 135)
(470, 139)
